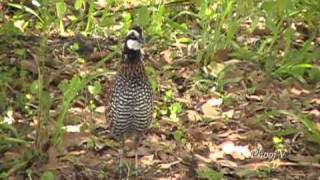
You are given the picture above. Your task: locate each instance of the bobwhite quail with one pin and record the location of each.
(130, 101)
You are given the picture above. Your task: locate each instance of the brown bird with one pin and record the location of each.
(131, 103)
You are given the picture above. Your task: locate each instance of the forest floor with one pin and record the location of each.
(254, 128)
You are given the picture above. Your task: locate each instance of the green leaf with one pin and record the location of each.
(184, 40)
(47, 175)
(210, 174)
(151, 73)
(61, 9)
(34, 88)
(27, 9)
(70, 88)
(75, 47)
(126, 20)
(46, 102)
(167, 96)
(78, 4)
(95, 89)
(178, 135)
(9, 29)
(107, 20)
(175, 108)
(143, 16)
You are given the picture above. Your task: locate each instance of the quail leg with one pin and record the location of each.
(136, 145)
(121, 150)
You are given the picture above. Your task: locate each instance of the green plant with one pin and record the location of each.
(213, 38)
(70, 90)
(264, 172)
(209, 173)
(278, 142)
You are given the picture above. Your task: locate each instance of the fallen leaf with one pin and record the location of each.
(215, 101)
(229, 114)
(100, 109)
(227, 163)
(147, 160)
(315, 100)
(254, 98)
(73, 128)
(168, 165)
(216, 155)
(314, 112)
(194, 116)
(228, 147)
(196, 134)
(244, 150)
(210, 112)
(166, 56)
(77, 153)
(241, 152)
(295, 91)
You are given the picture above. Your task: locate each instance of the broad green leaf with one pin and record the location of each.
(184, 40)
(95, 89)
(143, 16)
(61, 9)
(78, 4)
(175, 108)
(34, 88)
(107, 20)
(151, 73)
(167, 96)
(47, 175)
(178, 135)
(75, 47)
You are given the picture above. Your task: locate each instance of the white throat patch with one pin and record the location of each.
(134, 32)
(133, 44)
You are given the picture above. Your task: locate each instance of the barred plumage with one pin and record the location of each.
(130, 104)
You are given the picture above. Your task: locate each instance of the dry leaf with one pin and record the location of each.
(241, 152)
(216, 155)
(196, 134)
(168, 165)
(228, 147)
(215, 101)
(255, 98)
(295, 91)
(100, 109)
(227, 163)
(194, 116)
(147, 160)
(229, 114)
(166, 56)
(210, 111)
(73, 128)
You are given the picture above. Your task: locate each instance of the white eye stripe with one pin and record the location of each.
(133, 44)
(136, 33)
